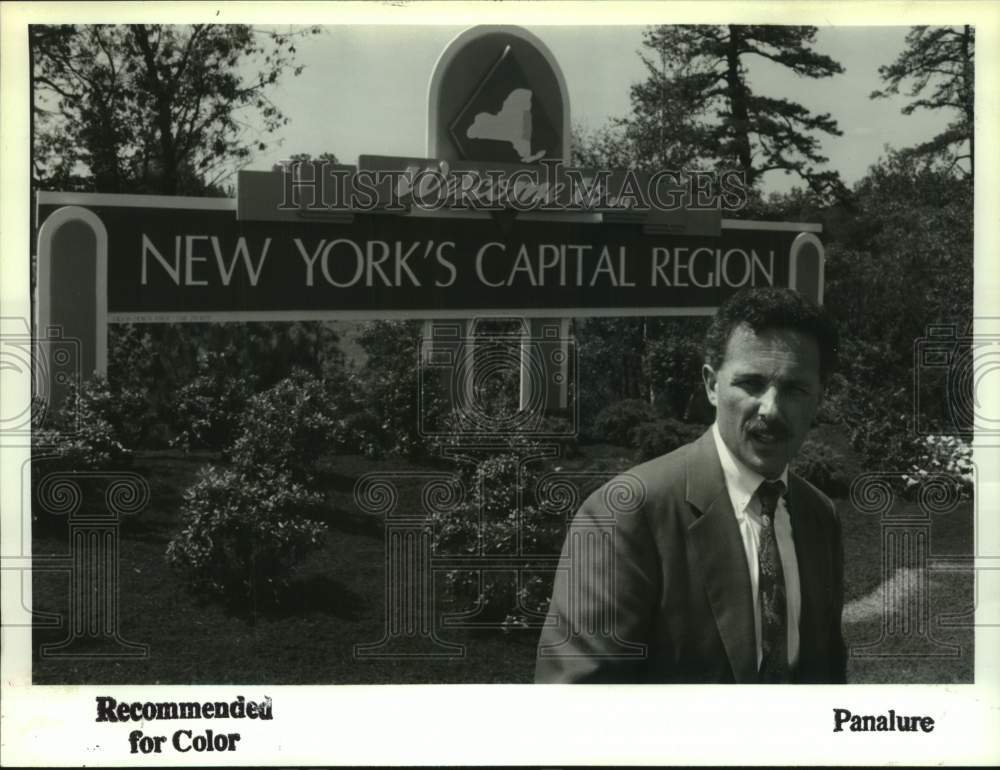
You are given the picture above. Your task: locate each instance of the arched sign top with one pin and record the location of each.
(498, 95)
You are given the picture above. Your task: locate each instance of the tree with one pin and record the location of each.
(915, 224)
(664, 130)
(698, 106)
(153, 108)
(942, 58)
(167, 109)
(305, 157)
(607, 147)
(901, 265)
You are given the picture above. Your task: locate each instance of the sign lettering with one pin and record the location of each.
(181, 261)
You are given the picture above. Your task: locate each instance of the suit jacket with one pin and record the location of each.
(653, 583)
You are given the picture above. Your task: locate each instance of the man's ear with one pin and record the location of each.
(711, 379)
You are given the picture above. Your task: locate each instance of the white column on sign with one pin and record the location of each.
(47, 292)
(468, 359)
(564, 366)
(526, 330)
(427, 336)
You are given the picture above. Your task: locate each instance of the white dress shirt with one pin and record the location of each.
(742, 483)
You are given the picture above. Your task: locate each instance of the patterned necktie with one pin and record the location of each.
(771, 591)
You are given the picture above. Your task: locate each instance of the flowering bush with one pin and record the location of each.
(949, 456)
(93, 428)
(488, 523)
(87, 431)
(547, 431)
(292, 425)
(207, 410)
(94, 446)
(390, 383)
(243, 535)
(125, 408)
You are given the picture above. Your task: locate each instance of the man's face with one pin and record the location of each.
(766, 393)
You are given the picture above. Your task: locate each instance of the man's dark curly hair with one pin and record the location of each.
(773, 308)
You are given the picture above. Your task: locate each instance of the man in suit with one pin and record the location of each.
(714, 563)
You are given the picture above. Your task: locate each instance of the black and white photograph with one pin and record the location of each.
(364, 349)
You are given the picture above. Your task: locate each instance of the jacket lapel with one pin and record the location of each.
(809, 551)
(715, 541)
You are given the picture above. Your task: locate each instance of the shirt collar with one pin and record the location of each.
(741, 481)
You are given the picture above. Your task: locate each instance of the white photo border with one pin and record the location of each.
(505, 724)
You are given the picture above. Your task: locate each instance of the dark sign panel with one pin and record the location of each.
(173, 260)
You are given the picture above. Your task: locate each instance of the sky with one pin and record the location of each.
(364, 90)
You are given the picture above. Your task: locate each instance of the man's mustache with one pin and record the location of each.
(774, 430)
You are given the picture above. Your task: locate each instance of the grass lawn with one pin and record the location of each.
(919, 644)
(338, 602)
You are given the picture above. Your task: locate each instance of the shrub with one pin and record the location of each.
(875, 403)
(502, 600)
(83, 434)
(943, 456)
(549, 430)
(244, 536)
(673, 359)
(125, 408)
(287, 428)
(391, 386)
(658, 437)
(93, 428)
(92, 447)
(611, 367)
(161, 359)
(208, 409)
(879, 430)
(361, 432)
(356, 426)
(822, 467)
(831, 409)
(546, 431)
(616, 422)
(142, 358)
(488, 523)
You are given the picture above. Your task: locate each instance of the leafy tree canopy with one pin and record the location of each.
(153, 108)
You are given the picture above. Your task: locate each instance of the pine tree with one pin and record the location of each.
(697, 104)
(942, 58)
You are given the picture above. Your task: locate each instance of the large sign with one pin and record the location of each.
(176, 263)
(508, 236)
